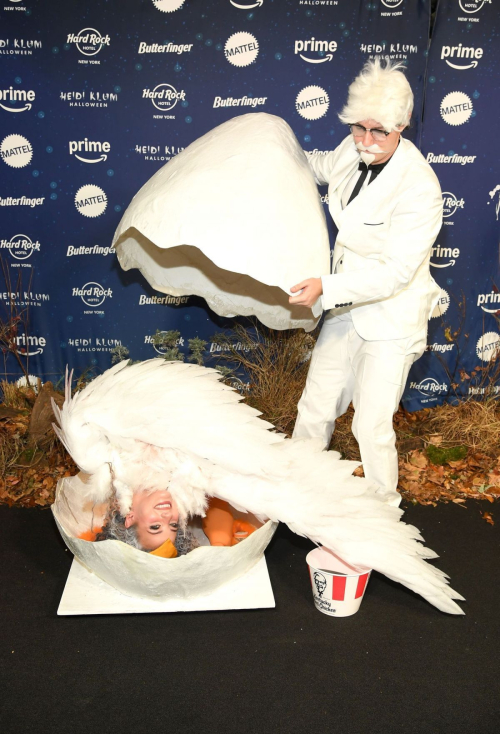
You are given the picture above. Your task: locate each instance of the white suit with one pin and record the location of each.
(379, 304)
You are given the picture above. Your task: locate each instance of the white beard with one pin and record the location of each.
(367, 154)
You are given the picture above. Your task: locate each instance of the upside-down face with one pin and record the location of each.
(155, 516)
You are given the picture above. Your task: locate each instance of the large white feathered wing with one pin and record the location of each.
(321, 500)
(161, 423)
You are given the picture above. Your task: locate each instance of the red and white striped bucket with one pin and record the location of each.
(337, 587)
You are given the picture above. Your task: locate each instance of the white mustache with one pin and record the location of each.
(370, 149)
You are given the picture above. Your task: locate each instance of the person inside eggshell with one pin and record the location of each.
(152, 525)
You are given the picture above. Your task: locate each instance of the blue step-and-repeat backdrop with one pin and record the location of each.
(96, 96)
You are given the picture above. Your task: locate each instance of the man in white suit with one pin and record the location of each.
(386, 202)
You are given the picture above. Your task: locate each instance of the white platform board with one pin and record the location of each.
(86, 593)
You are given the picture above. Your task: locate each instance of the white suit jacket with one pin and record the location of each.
(385, 238)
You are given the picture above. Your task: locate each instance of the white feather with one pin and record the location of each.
(157, 424)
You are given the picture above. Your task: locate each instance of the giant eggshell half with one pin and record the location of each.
(235, 218)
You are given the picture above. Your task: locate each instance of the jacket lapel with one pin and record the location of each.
(378, 190)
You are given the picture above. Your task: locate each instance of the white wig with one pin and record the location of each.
(379, 93)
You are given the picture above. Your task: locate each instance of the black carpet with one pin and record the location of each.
(398, 665)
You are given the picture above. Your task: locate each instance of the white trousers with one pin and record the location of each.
(372, 374)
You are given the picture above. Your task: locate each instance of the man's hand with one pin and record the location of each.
(310, 291)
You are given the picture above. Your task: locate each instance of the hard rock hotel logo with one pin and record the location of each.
(15, 5)
(430, 388)
(393, 7)
(450, 205)
(160, 349)
(88, 41)
(472, 6)
(92, 294)
(164, 97)
(20, 246)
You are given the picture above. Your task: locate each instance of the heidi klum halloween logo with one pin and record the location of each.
(88, 98)
(19, 46)
(94, 344)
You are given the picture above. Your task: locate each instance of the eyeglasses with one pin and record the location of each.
(358, 131)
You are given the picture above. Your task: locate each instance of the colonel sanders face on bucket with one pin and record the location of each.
(155, 517)
(320, 582)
